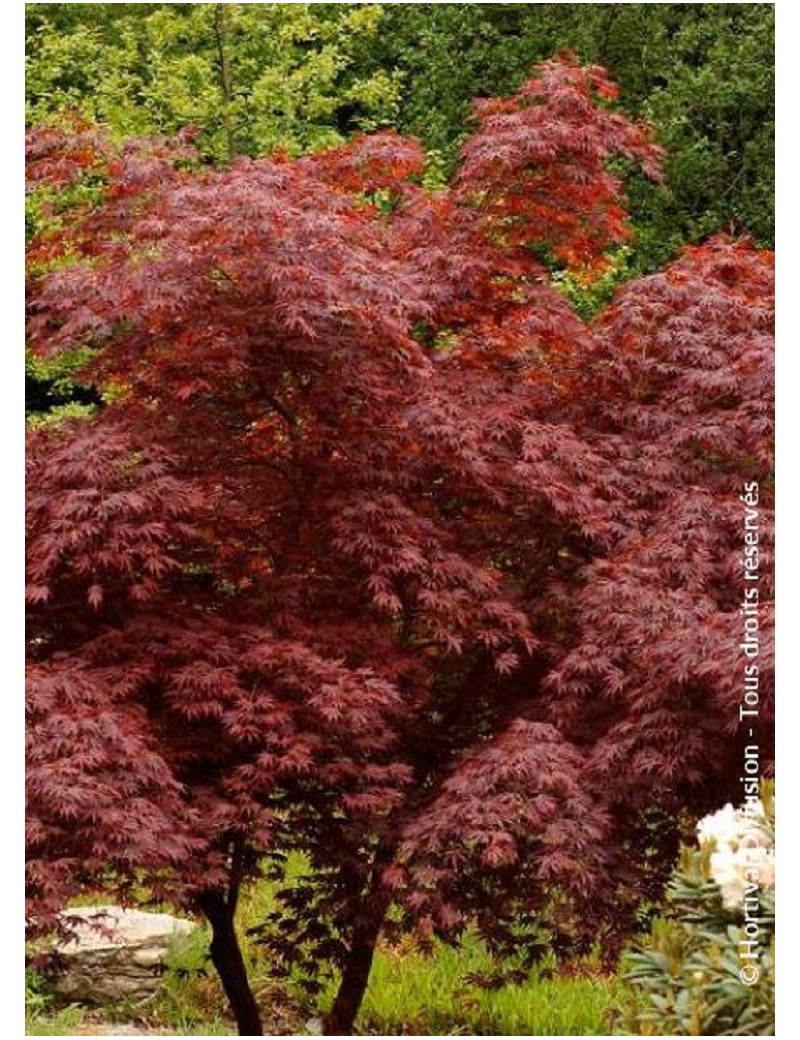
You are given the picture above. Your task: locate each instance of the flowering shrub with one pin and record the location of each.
(743, 850)
(708, 966)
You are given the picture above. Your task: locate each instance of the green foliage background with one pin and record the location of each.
(703, 74)
(258, 77)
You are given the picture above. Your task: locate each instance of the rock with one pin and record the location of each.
(315, 1027)
(114, 954)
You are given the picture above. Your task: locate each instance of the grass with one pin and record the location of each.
(42, 1018)
(426, 995)
(58, 1023)
(409, 992)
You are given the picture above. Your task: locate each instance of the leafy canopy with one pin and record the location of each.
(371, 551)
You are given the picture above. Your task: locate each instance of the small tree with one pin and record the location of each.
(330, 569)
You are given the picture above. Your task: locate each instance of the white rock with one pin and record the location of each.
(114, 954)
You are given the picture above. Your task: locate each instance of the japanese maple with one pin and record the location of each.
(370, 553)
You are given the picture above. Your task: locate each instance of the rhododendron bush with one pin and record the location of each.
(375, 551)
(708, 966)
(743, 855)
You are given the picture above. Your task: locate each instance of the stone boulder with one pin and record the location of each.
(114, 954)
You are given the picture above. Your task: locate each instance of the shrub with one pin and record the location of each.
(697, 975)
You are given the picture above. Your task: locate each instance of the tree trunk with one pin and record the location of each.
(221, 34)
(226, 956)
(342, 1016)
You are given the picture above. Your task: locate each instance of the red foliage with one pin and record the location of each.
(380, 553)
(538, 163)
(681, 394)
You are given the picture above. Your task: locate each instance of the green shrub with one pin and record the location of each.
(696, 976)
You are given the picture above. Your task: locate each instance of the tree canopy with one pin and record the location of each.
(256, 77)
(371, 551)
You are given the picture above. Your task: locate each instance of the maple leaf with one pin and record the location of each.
(370, 553)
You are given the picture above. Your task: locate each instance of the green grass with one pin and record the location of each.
(409, 992)
(58, 1023)
(413, 993)
(42, 1017)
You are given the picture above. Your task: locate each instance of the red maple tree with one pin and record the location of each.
(375, 551)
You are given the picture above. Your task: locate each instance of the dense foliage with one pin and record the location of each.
(253, 77)
(371, 552)
(702, 73)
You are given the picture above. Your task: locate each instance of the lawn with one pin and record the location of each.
(410, 992)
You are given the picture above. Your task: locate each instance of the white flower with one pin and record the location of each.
(720, 827)
(725, 869)
(743, 852)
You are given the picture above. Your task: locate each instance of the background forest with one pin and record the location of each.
(254, 78)
(257, 77)
(476, 521)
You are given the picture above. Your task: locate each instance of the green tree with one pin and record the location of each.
(702, 73)
(252, 78)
